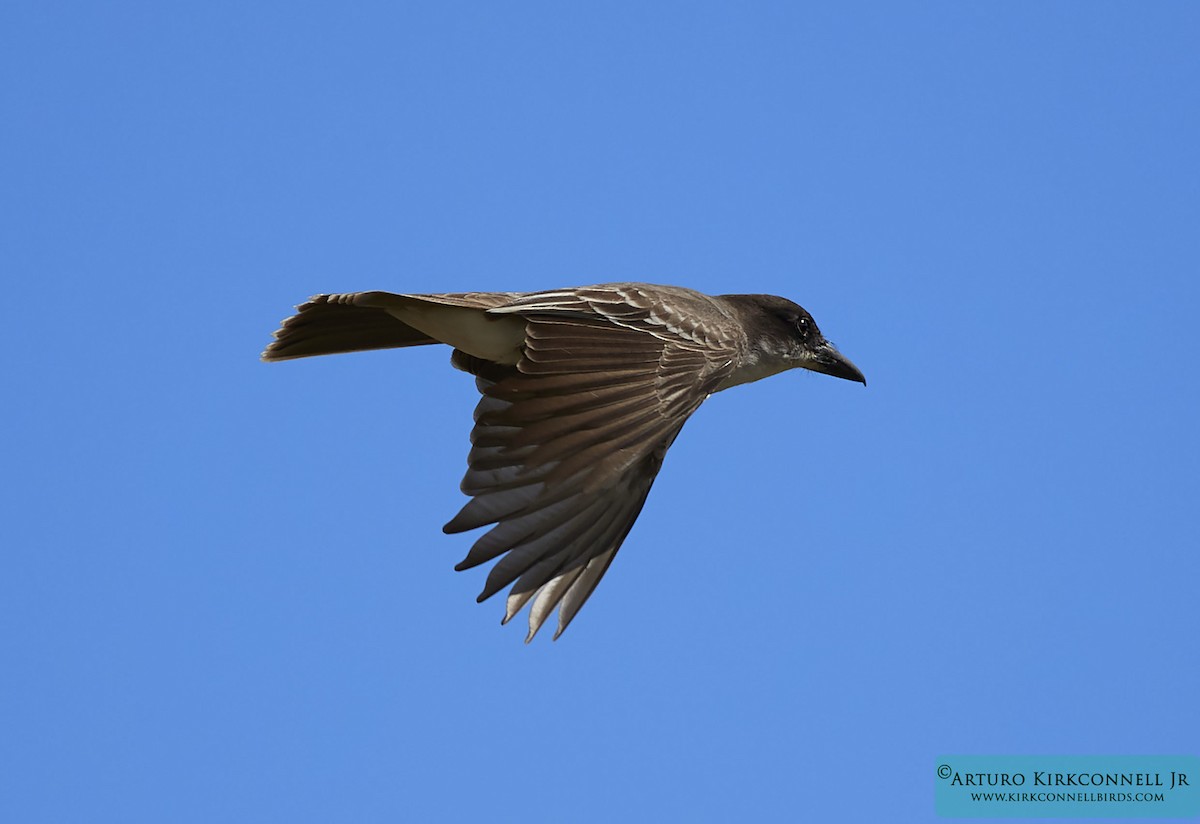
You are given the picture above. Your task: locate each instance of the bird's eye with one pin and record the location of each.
(803, 325)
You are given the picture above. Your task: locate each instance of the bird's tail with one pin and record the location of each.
(329, 324)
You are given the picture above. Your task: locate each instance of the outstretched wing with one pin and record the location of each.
(567, 444)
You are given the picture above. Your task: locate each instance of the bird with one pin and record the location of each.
(583, 390)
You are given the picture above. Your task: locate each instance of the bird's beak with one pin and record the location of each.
(829, 361)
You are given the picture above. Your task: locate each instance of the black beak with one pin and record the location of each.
(829, 361)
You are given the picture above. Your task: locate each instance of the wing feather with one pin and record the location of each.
(582, 589)
(556, 546)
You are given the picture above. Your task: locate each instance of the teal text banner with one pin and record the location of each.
(1067, 786)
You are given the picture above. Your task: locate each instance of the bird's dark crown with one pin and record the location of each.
(777, 317)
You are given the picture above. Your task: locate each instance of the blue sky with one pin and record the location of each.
(225, 594)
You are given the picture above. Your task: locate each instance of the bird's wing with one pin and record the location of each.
(567, 443)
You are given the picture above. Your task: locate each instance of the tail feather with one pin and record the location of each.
(328, 324)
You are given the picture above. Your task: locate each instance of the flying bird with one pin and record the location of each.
(583, 391)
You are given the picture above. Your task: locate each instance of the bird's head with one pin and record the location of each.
(786, 335)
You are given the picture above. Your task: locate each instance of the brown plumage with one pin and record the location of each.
(583, 391)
